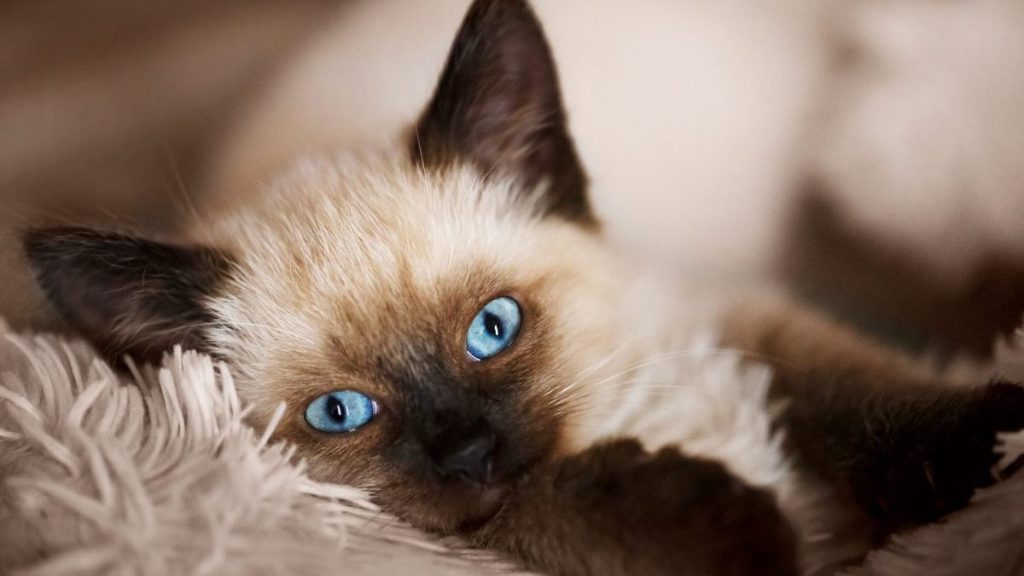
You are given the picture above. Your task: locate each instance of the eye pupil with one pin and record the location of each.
(335, 410)
(493, 325)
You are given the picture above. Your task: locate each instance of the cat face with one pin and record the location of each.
(390, 300)
(371, 277)
(424, 318)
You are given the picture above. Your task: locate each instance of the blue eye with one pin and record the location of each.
(341, 411)
(493, 328)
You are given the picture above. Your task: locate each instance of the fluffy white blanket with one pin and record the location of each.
(157, 474)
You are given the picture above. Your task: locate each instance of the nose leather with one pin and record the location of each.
(471, 461)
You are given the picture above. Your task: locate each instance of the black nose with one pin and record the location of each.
(471, 460)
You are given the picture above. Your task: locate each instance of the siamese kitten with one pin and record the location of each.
(441, 325)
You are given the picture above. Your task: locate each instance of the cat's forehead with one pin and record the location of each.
(346, 220)
(354, 243)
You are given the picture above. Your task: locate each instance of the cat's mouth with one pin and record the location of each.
(452, 509)
(458, 506)
(488, 502)
(488, 499)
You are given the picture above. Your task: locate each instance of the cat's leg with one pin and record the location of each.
(902, 444)
(616, 510)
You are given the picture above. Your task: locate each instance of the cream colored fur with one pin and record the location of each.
(350, 248)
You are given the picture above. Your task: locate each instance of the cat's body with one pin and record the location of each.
(364, 276)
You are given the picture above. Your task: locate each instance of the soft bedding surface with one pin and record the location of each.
(157, 473)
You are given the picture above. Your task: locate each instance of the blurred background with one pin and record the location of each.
(108, 109)
(867, 155)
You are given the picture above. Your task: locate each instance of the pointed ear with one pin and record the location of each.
(127, 295)
(498, 106)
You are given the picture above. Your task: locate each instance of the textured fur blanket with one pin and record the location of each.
(157, 474)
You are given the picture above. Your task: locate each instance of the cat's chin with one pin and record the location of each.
(488, 503)
(456, 510)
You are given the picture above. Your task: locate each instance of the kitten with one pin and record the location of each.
(440, 326)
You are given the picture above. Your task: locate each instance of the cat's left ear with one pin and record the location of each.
(498, 106)
(128, 295)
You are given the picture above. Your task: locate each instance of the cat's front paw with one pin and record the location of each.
(943, 458)
(676, 514)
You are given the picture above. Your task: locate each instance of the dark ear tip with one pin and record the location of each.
(35, 240)
(44, 244)
(40, 243)
(489, 5)
(501, 12)
(490, 14)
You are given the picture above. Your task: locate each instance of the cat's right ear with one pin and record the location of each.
(498, 107)
(127, 295)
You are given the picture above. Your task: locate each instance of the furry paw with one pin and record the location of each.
(680, 515)
(934, 466)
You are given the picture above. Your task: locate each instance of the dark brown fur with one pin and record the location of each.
(127, 295)
(617, 510)
(498, 105)
(903, 445)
